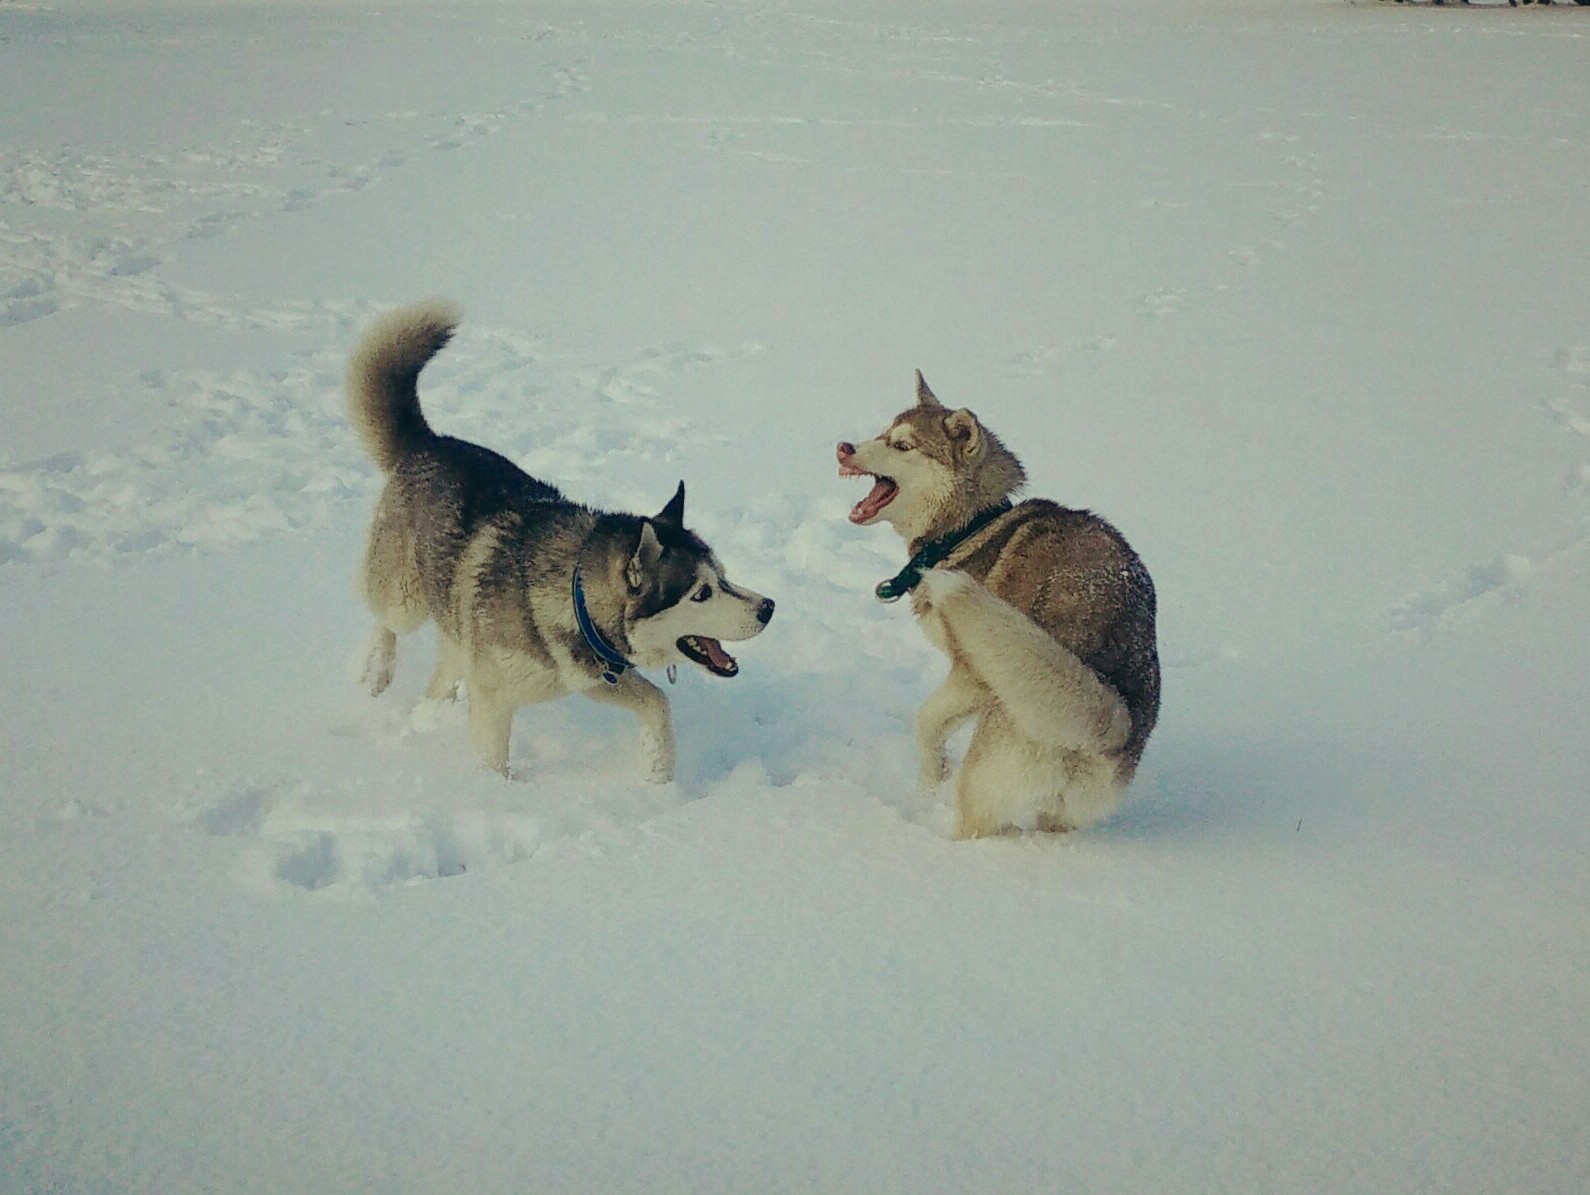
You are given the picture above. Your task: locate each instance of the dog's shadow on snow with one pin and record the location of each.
(1191, 789)
(1227, 788)
(782, 727)
(724, 725)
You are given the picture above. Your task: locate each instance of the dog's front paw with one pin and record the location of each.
(372, 669)
(932, 773)
(658, 754)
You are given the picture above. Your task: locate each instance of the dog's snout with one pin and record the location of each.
(846, 448)
(764, 612)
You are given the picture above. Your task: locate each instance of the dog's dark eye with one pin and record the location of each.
(701, 594)
(899, 447)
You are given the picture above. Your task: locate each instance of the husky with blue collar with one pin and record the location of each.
(534, 596)
(1045, 612)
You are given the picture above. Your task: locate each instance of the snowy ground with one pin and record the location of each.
(1297, 294)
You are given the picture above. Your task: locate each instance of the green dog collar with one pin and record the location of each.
(908, 578)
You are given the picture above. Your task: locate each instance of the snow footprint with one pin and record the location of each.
(1034, 362)
(1499, 579)
(29, 300)
(1490, 581)
(291, 465)
(1166, 301)
(297, 838)
(1572, 410)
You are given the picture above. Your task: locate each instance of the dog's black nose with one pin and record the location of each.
(764, 612)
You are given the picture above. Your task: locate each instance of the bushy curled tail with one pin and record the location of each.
(383, 377)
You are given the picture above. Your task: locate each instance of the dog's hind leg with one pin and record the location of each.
(374, 666)
(389, 582)
(1006, 780)
(1051, 697)
(490, 724)
(1092, 789)
(650, 704)
(946, 709)
(449, 672)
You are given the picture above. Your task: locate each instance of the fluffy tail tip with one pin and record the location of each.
(416, 329)
(382, 384)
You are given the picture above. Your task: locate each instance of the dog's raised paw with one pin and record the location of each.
(372, 668)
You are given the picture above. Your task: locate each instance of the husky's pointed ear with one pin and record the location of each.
(962, 427)
(674, 512)
(647, 553)
(924, 396)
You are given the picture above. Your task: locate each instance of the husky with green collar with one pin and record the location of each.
(1046, 614)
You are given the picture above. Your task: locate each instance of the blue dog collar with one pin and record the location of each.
(609, 655)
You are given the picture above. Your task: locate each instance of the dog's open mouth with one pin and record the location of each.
(882, 493)
(709, 654)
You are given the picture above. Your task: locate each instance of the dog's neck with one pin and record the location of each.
(614, 661)
(930, 552)
(599, 619)
(999, 479)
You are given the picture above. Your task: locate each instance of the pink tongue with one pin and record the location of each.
(877, 498)
(715, 653)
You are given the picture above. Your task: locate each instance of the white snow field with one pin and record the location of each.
(1297, 294)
